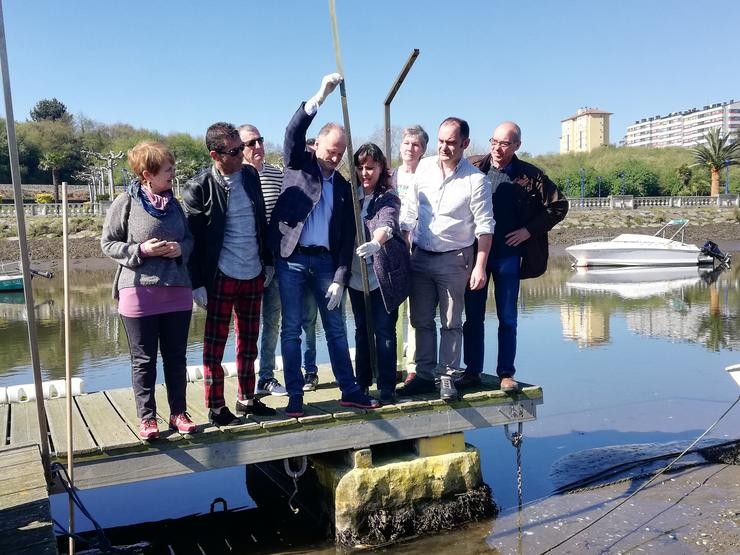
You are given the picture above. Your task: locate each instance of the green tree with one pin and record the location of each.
(718, 152)
(50, 110)
(58, 146)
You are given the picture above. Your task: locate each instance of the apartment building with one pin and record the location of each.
(584, 131)
(686, 128)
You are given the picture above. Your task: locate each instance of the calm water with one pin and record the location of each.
(623, 358)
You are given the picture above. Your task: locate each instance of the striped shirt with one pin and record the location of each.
(271, 179)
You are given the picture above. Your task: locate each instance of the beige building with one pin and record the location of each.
(584, 131)
(685, 128)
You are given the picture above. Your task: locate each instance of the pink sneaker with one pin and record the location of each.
(148, 428)
(182, 423)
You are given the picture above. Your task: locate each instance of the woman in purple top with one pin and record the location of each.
(146, 233)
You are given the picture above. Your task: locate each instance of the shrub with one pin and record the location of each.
(103, 196)
(44, 198)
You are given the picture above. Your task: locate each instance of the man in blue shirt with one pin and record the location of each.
(312, 234)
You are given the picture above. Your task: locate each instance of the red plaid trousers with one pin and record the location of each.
(244, 298)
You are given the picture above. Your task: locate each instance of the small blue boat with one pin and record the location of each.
(11, 283)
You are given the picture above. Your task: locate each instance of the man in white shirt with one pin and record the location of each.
(449, 208)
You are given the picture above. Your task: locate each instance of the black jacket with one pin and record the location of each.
(205, 200)
(542, 207)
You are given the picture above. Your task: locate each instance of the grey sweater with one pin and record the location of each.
(126, 226)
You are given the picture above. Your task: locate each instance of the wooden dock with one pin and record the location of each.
(25, 524)
(108, 451)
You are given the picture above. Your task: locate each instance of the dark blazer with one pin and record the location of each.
(391, 263)
(302, 184)
(205, 200)
(543, 206)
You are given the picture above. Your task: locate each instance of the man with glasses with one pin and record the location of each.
(226, 215)
(271, 179)
(526, 205)
(448, 208)
(312, 232)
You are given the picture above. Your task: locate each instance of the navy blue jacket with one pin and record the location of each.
(301, 191)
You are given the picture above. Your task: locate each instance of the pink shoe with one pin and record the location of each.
(182, 423)
(148, 428)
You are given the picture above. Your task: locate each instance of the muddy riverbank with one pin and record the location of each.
(49, 249)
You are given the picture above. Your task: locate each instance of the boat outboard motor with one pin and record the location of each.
(711, 249)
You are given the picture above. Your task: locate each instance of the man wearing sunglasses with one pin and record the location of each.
(526, 206)
(312, 233)
(226, 215)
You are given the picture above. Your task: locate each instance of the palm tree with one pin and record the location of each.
(717, 153)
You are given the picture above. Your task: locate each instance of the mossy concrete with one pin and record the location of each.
(406, 495)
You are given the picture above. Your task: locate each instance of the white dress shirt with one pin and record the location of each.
(447, 214)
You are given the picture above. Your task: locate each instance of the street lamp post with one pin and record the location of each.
(583, 182)
(598, 184)
(621, 177)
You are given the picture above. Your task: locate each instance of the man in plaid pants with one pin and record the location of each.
(229, 267)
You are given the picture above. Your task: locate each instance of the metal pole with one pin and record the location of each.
(23, 245)
(359, 227)
(68, 367)
(583, 183)
(388, 99)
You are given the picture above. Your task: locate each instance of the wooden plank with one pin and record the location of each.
(124, 404)
(105, 424)
(4, 415)
(355, 434)
(24, 423)
(56, 415)
(25, 526)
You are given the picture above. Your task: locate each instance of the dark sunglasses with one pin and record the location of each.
(252, 142)
(232, 152)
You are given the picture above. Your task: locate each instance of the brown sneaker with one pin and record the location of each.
(509, 385)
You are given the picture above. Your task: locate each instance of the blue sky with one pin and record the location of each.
(182, 65)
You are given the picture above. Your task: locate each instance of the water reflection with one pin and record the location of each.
(682, 304)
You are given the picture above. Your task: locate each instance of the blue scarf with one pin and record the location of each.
(135, 192)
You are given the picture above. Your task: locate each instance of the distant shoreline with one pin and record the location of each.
(48, 250)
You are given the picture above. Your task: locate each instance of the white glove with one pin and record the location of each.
(269, 274)
(368, 249)
(334, 294)
(328, 84)
(200, 297)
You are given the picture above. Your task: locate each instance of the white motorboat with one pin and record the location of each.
(633, 249)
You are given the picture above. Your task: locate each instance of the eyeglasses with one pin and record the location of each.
(232, 152)
(502, 144)
(250, 143)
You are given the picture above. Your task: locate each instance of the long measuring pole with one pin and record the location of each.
(23, 245)
(68, 367)
(388, 99)
(359, 227)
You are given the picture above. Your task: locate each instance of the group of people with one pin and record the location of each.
(250, 238)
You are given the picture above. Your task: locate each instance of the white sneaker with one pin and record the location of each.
(270, 386)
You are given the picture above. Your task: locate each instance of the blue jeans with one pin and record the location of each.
(384, 326)
(505, 274)
(270, 329)
(309, 329)
(298, 275)
(271, 310)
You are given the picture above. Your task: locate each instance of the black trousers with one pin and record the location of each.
(167, 333)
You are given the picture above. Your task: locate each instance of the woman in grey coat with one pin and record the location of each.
(146, 233)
